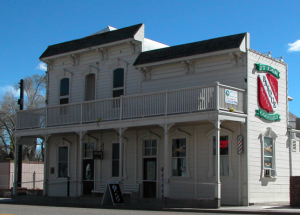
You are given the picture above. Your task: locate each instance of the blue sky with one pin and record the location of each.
(28, 27)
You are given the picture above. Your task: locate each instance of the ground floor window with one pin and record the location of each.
(150, 148)
(115, 159)
(268, 139)
(88, 150)
(179, 157)
(224, 155)
(63, 162)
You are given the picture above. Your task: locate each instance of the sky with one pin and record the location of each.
(28, 27)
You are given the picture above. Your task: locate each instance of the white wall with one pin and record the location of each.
(267, 189)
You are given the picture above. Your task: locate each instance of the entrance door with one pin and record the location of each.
(88, 176)
(149, 186)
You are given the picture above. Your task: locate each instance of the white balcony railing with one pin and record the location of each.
(127, 107)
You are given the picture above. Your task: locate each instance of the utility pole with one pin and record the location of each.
(20, 149)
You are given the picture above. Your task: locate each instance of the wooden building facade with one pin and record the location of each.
(204, 120)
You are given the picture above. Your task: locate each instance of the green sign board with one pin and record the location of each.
(267, 68)
(271, 117)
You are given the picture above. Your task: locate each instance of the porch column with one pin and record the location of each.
(217, 124)
(121, 131)
(81, 134)
(45, 158)
(167, 169)
(15, 189)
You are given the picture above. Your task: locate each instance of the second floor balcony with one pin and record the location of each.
(172, 102)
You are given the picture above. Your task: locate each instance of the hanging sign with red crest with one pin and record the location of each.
(267, 85)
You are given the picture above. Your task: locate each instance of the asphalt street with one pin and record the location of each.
(11, 209)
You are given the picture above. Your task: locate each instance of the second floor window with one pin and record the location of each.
(90, 87)
(64, 91)
(118, 82)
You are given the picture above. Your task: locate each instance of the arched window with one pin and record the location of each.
(90, 87)
(118, 82)
(268, 139)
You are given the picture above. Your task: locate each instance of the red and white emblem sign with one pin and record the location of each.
(267, 92)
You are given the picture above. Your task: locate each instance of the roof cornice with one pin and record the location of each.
(192, 57)
(87, 49)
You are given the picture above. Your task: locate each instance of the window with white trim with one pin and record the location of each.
(268, 140)
(64, 95)
(90, 87)
(115, 159)
(179, 157)
(224, 155)
(88, 150)
(63, 162)
(150, 147)
(64, 91)
(225, 152)
(118, 82)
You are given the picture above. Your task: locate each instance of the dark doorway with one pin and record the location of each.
(88, 176)
(149, 186)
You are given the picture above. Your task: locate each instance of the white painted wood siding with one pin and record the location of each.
(206, 71)
(264, 189)
(121, 56)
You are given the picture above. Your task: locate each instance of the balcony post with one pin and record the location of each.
(217, 89)
(46, 118)
(120, 132)
(166, 108)
(81, 113)
(217, 124)
(121, 107)
(81, 135)
(45, 159)
(167, 158)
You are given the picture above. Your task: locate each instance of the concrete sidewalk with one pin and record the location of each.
(262, 208)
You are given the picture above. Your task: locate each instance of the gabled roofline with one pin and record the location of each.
(189, 58)
(200, 48)
(87, 49)
(87, 43)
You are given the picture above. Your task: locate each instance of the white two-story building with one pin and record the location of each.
(204, 123)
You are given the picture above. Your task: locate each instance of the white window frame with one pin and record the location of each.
(62, 75)
(89, 139)
(118, 88)
(268, 172)
(112, 159)
(84, 150)
(179, 134)
(149, 135)
(116, 65)
(210, 135)
(111, 141)
(92, 69)
(144, 148)
(62, 143)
